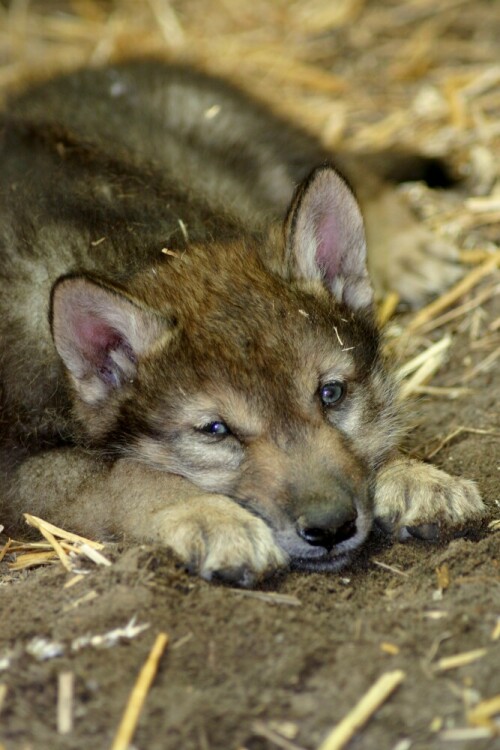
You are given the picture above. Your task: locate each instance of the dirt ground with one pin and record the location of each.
(279, 667)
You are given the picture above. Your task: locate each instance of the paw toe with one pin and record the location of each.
(428, 532)
(240, 575)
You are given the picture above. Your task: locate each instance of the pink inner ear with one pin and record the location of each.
(328, 257)
(95, 337)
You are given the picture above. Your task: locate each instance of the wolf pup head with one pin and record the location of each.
(251, 369)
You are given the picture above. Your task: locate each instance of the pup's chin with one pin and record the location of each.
(327, 563)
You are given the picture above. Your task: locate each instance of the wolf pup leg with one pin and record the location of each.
(212, 535)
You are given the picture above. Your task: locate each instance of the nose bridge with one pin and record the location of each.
(322, 461)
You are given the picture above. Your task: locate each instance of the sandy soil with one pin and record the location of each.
(281, 666)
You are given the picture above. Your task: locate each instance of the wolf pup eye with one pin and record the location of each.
(218, 429)
(332, 393)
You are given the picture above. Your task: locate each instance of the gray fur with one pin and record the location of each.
(149, 288)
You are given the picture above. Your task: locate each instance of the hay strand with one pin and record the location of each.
(65, 702)
(364, 710)
(32, 560)
(6, 547)
(423, 366)
(138, 695)
(63, 557)
(39, 523)
(462, 287)
(93, 554)
(460, 660)
(276, 738)
(59, 545)
(271, 597)
(482, 714)
(387, 308)
(465, 734)
(462, 429)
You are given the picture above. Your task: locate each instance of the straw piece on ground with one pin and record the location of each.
(30, 546)
(473, 257)
(33, 559)
(443, 576)
(262, 730)
(464, 285)
(37, 523)
(85, 599)
(466, 734)
(73, 581)
(138, 695)
(495, 633)
(389, 648)
(392, 568)
(387, 308)
(422, 375)
(484, 364)
(482, 714)
(182, 641)
(430, 353)
(90, 552)
(457, 312)
(111, 637)
(441, 392)
(5, 549)
(63, 557)
(460, 660)
(272, 597)
(3, 693)
(355, 719)
(455, 433)
(423, 366)
(65, 703)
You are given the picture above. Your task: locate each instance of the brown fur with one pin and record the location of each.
(177, 365)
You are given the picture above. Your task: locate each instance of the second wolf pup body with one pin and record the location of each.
(206, 378)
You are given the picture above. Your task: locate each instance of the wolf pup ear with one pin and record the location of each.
(99, 334)
(325, 238)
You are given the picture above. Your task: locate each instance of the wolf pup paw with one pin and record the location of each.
(406, 256)
(429, 266)
(414, 499)
(219, 540)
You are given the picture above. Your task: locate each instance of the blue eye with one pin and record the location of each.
(218, 429)
(332, 393)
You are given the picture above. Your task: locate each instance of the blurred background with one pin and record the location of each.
(370, 74)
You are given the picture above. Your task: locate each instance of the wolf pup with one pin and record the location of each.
(178, 365)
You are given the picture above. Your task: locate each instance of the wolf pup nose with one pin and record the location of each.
(180, 365)
(328, 530)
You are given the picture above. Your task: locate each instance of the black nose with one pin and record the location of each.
(328, 537)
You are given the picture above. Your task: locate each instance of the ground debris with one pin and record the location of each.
(44, 649)
(460, 660)
(369, 703)
(60, 545)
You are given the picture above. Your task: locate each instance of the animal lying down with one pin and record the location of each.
(181, 364)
